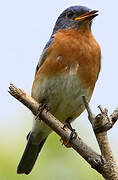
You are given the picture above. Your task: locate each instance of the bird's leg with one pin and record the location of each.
(41, 108)
(68, 125)
(72, 135)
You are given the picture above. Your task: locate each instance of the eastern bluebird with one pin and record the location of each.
(68, 69)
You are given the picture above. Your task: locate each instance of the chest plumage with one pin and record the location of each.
(69, 71)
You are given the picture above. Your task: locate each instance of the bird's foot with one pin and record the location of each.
(72, 135)
(40, 109)
(68, 125)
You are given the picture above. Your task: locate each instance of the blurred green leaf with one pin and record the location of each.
(55, 162)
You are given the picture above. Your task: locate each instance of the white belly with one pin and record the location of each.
(63, 94)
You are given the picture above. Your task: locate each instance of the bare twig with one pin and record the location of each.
(91, 116)
(103, 163)
(101, 124)
(86, 152)
(114, 116)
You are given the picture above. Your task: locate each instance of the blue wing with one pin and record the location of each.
(44, 54)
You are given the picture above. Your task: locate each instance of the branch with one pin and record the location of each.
(101, 124)
(100, 163)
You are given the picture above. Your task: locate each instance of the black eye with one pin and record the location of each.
(70, 15)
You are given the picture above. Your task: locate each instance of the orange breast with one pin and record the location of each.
(76, 50)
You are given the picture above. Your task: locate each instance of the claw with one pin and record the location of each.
(68, 125)
(72, 135)
(40, 109)
(65, 143)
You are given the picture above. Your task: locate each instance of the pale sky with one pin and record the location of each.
(25, 27)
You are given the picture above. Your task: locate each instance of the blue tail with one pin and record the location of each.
(29, 156)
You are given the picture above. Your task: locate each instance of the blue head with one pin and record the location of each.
(75, 17)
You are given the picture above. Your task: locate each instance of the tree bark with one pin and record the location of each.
(104, 163)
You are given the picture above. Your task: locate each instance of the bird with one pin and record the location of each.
(67, 70)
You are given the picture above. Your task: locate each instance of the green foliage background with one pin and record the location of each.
(54, 163)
